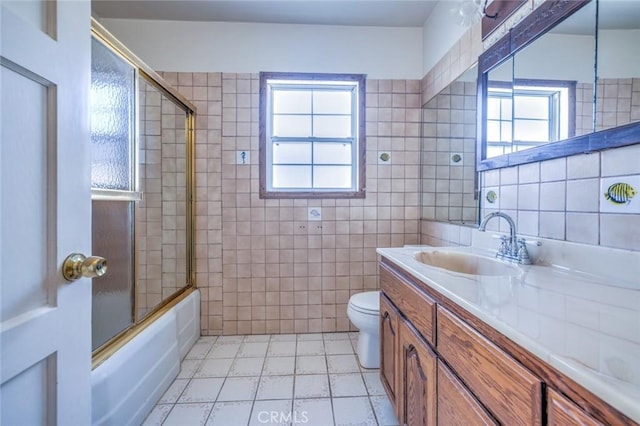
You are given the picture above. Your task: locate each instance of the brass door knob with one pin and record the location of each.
(77, 266)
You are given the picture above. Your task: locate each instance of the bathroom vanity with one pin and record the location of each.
(459, 348)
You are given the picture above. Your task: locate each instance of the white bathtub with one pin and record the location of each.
(126, 387)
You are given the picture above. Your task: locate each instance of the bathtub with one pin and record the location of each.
(126, 387)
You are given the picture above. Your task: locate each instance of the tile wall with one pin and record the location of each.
(449, 129)
(561, 198)
(618, 102)
(460, 58)
(261, 266)
(160, 219)
(584, 109)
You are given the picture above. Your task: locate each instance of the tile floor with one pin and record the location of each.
(283, 379)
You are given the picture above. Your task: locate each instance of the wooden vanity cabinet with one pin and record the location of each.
(417, 308)
(417, 379)
(422, 389)
(562, 412)
(505, 387)
(389, 341)
(439, 370)
(456, 404)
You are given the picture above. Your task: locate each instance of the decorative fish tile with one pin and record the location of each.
(620, 194)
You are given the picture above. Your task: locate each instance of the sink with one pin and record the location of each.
(466, 263)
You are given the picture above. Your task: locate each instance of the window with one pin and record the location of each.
(531, 113)
(312, 140)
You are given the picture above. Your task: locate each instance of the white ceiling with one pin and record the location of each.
(383, 13)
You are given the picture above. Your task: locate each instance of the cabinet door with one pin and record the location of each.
(456, 405)
(418, 370)
(509, 391)
(388, 348)
(562, 412)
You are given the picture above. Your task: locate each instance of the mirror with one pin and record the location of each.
(618, 87)
(554, 103)
(553, 54)
(500, 109)
(448, 153)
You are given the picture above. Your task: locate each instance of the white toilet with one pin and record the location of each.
(364, 313)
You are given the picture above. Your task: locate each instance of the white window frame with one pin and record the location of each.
(353, 83)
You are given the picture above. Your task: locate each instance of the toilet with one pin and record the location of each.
(364, 312)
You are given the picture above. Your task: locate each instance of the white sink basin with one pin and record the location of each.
(466, 263)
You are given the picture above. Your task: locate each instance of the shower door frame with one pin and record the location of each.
(142, 70)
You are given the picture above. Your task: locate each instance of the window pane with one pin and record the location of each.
(493, 108)
(112, 100)
(291, 102)
(531, 130)
(532, 107)
(292, 126)
(505, 112)
(112, 301)
(493, 131)
(494, 151)
(522, 147)
(331, 153)
(332, 126)
(285, 177)
(505, 133)
(332, 177)
(291, 153)
(332, 102)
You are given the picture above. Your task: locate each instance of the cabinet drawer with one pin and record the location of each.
(507, 389)
(417, 307)
(456, 405)
(562, 412)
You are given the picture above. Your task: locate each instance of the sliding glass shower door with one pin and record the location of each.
(114, 189)
(142, 138)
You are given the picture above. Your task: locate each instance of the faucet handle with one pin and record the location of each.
(523, 253)
(504, 248)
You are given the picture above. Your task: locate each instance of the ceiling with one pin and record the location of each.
(380, 13)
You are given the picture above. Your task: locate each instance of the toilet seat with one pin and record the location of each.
(367, 303)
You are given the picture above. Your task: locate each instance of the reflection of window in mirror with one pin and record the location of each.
(530, 113)
(565, 54)
(499, 105)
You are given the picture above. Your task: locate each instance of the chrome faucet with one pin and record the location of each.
(513, 248)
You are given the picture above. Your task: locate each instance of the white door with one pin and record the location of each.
(45, 212)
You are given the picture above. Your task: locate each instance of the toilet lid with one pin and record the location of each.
(368, 302)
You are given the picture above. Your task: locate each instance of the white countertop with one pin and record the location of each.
(586, 326)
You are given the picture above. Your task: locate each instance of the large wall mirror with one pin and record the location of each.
(566, 80)
(448, 153)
